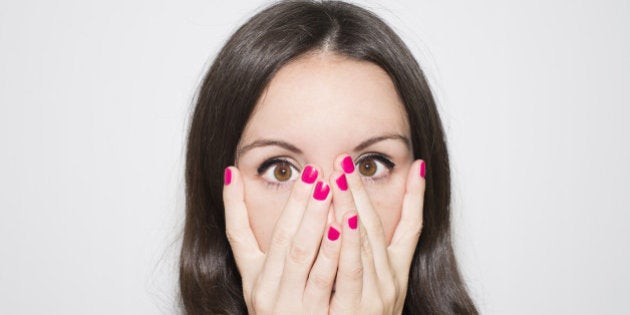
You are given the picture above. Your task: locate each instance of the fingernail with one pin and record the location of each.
(333, 234)
(347, 165)
(309, 175)
(342, 183)
(321, 191)
(353, 222)
(227, 177)
(423, 169)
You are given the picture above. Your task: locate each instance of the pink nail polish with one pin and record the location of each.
(423, 169)
(347, 165)
(333, 234)
(309, 175)
(353, 222)
(321, 191)
(227, 177)
(342, 183)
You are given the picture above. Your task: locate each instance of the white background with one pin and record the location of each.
(94, 102)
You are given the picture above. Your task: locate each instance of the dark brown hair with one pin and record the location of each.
(209, 279)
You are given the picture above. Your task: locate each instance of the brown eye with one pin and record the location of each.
(277, 171)
(367, 167)
(374, 166)
(282, 172)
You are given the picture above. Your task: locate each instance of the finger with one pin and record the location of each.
(284, 231)
(349, 286)
(371, 283)
(369, 218)
(343, 203)
(306, 241)
(409, 228)
(246, 252)
(322, 275)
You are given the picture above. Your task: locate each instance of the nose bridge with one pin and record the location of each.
(327, 169)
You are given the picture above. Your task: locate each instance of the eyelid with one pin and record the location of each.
(272, 161)
(264, 168)
(383, 158)
(379, 158)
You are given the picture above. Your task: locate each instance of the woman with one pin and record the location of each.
(317, 175)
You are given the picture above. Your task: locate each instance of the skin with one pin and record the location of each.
(316, 112)
(312, 104)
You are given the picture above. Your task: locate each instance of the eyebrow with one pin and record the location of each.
(268, 142)
(289, 147)
(373, 140)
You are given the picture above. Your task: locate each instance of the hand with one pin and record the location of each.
(296, 274)
(372, 276)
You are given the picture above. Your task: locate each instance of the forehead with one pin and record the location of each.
(329, 97)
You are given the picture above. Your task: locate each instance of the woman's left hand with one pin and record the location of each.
(372, 276)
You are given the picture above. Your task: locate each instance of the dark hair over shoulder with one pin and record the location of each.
(209, 279)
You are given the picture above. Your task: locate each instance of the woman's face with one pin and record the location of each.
(314, 109)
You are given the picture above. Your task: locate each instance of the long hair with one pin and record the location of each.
(209, 279)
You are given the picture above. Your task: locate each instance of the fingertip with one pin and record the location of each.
(347, 178)
(334, 232)
(339, 180)
(310, 174)
(321, 191)
(227, 176)
(417, 173)
(342, 199)
(331, 243)
(350, 272)
(423, 168)
(230, 174)
(411, 216)
(232, 183)
(344, 163)
(351, 220)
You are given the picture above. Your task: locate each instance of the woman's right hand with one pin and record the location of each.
(296, 274)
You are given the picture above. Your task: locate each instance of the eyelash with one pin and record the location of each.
(379, 157)
(271, 162)
(277, 160)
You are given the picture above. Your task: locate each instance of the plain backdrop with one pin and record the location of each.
(94, 105)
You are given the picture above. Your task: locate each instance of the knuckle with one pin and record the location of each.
(260, 303)
(355, 273)
(328, 252)
(346, 308)
(374, 224)
(366, 247)
(260, 309)
(320, 281)
(299, 195)
(412, 235)
(358, 188)
(281, 238)
(380, 306)
(389, 294)
(377, 306)
(298, 254)
(233, 236)
(416, 230)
